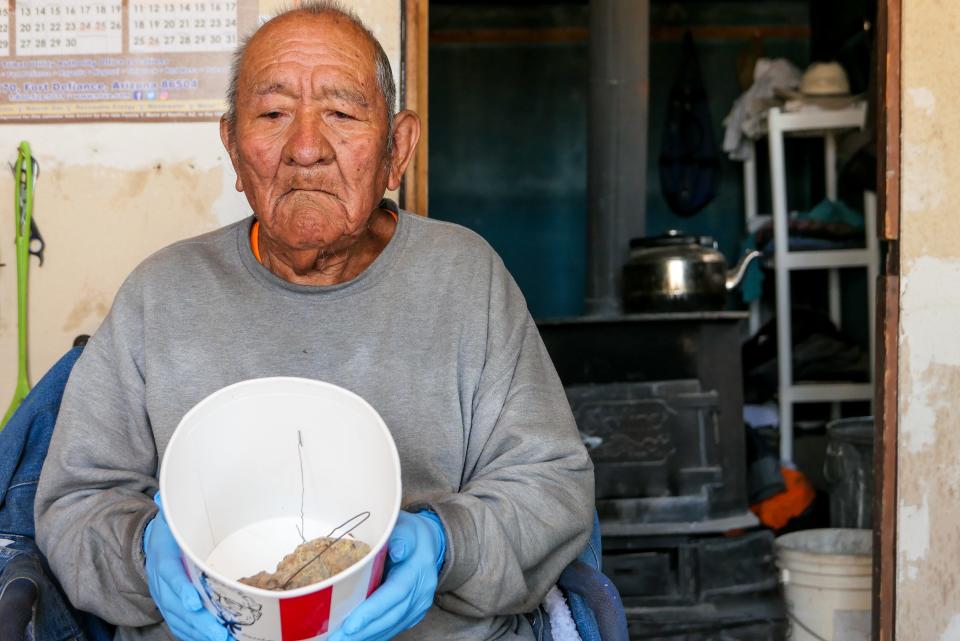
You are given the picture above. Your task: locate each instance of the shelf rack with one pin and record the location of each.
(826, 124)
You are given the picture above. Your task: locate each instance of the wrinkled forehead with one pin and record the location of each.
(317, 45)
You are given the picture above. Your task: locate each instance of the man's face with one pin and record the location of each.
(310, 137)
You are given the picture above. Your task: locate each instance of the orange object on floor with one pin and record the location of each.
(776, 511)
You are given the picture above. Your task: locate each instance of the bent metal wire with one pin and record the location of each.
(362, 516)
(358, 518)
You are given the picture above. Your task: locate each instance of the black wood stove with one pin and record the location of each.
(658, 399)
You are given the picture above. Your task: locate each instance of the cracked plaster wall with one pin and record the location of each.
(928, 482)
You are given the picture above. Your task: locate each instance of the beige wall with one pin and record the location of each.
(109, 195)
(928, 480)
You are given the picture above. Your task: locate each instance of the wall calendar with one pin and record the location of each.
(63, 60)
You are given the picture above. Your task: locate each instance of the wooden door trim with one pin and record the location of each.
(414, 85)
(888, 124)
(889, 15)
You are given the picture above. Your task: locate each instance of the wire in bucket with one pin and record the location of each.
(362, 516)
(302, 528)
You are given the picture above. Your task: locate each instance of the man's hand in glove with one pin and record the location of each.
(417, 548)
(176, 598)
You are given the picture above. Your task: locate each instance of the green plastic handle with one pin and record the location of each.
(23, 215)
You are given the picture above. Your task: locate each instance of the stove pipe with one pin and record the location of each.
(617, 144)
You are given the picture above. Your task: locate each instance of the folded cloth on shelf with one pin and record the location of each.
(831, 224)
(746, 118)
(821, 352)
(805, 235)
(829, 220)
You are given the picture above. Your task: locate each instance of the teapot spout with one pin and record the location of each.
(735, 275)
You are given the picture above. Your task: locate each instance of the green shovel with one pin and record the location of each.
(25, 174)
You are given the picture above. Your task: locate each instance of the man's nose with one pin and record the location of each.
(308, 142)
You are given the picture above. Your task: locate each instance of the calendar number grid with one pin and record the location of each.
(96, 27)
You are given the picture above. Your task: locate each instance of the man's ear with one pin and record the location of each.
(406, 134)
(226, 137)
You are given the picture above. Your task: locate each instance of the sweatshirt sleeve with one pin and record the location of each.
(94, 496)
(525, 508)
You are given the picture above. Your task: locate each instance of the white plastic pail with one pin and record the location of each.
(252, 464)
(827, 583)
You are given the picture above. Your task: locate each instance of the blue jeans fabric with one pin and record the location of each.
(23, 443)
(582, 615)
(53, 618)
(590, 582)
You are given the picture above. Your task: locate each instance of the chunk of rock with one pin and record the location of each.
(311, 562)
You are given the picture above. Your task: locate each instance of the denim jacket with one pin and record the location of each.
(24, 443)
(23, 447)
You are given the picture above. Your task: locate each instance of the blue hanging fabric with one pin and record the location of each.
(689, 155)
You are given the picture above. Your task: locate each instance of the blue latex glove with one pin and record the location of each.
(417, 547)
(176, 598)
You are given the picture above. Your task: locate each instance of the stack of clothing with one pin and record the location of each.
(821, 352)
(829, 225)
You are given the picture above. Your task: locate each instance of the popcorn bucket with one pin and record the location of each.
(252, 466)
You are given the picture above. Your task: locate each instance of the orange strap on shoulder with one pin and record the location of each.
(255, 240)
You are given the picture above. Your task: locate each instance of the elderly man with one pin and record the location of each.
(328, 282)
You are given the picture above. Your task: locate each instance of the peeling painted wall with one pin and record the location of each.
(928, 479)
(108, 196)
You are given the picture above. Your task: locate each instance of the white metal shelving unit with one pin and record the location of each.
(826, 124)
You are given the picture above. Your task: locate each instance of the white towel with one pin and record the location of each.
(746, 118)
(561, 621)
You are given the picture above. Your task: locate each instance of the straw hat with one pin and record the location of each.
(825, 79)
(823, 84)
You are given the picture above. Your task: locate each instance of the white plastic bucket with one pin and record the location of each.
(232, 491)
(827, 583)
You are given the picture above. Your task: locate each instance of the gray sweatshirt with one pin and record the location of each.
(434, 334)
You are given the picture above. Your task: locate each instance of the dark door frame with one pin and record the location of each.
(888, 321)
(414, 87)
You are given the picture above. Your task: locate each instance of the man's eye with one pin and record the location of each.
(342, 116)
(272, 115)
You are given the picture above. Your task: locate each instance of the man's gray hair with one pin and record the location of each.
(385, 82)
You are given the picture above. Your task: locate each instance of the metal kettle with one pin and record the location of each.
(679, 273)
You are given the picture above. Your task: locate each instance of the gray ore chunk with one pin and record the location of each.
(336, 557)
